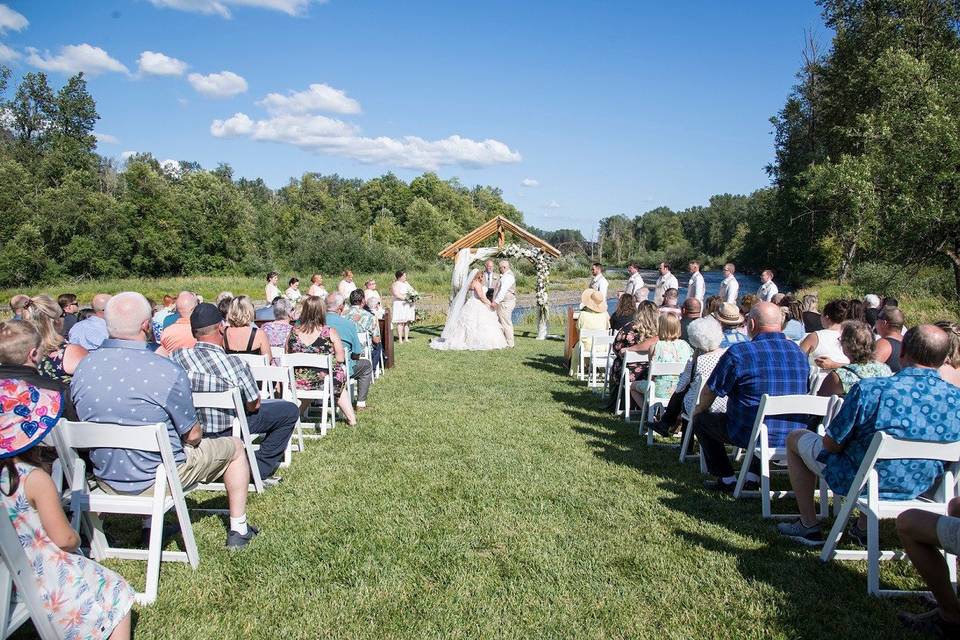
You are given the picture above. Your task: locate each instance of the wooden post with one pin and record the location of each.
(572, 335)
(386, 336)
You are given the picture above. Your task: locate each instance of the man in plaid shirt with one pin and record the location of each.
(209, 368)
(768, 364)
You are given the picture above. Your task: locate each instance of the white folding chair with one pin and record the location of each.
(650, 400)
(16, 570)
(600, 347)
(687, 443)
(276, 352)
(585, 336)
(277, 382)
(88, 504)
(252, 359)
(759, 445)
(328, 406)
(864, 495)
(623, 389)
(232, 400)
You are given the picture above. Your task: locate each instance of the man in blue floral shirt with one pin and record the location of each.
(914, 404)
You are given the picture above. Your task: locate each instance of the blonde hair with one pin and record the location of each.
(240, 313)
(647, 323)
(17, 338)
(669, 327)
(45, 314)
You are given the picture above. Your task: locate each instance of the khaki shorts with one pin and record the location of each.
(205, 462)
(809, 447)
(948, 532)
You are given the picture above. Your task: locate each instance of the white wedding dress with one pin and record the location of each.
(471, 324)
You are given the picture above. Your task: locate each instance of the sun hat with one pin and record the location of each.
(728, 315)
(27, 414)
(593, 300)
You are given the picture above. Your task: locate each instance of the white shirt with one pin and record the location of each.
(490, 279)
(599, 283)
(505, 287)
(696, 287)
(634, 284)
(272, 292)
(668, 281)
(729, 289)
(346, 288)
(767, 290)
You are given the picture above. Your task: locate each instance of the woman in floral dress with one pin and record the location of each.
(312, 335)
(641, 335)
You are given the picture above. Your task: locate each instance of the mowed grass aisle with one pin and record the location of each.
(486, 497)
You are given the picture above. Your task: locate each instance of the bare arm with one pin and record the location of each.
(338, 351)
(882, 350)
(264, 344)
(831, 386)
(808, 344)
(42, 494)
(72, 355)
(707, 396)
(193, 436)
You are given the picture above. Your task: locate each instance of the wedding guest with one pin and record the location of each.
(598, 281)
(777, 299)
(826, 341)
(365, 322)
(746, 304)
(768, 289)
(890, 323)
(665, 282)
(691, 311)
(811, 316)
(871, 303)
(403, 312)
(855, 310)
(313, 335)
(625, 312)
(370, 291)
(316, 286)
(272, 291)
(224, 295)
(241, 335)
(179, 335)
(278, 330)
(160, 315)
(293, 291)
(696, 288)
(640, 336)
(856, 341)
(731, 321)
(792, 319)
(91, 333)
(17, 303)
(950, 370)
(729, 287)
(346, 286)
(223, 305)
(20, 353)
(359, 368)
(668, 348)
(635, 288)
(712, 305)
(593, 316)
(69, 305)
(57, 360)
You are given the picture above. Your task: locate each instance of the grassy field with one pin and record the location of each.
(485, 496)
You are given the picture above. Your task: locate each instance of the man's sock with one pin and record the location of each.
(752, 477)
(239, 524)
(361, 403)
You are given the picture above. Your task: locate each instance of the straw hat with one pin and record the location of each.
(728, 315)
(27, 414)
(593, 300)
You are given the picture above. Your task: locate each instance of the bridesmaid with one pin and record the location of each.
(272, 291)
(403, 312)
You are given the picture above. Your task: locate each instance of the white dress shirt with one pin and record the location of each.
(634, 285)
(729, 289)
(507, 286)
(766, 291)
(668, 281)
(599, 283)
(696, 288)
(489, 279)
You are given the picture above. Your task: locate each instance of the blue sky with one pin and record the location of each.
(608, 107)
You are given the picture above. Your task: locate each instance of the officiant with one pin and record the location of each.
(489, 279)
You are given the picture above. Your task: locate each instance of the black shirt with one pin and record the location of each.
(69, 319)
(812, 321)
(32, 376)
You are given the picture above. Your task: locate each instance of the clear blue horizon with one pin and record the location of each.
(608, 109)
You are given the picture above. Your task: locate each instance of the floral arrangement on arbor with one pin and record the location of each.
(541, 261)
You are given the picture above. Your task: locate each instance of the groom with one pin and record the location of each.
(505, 297)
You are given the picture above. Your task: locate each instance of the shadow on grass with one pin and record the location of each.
(547, 363)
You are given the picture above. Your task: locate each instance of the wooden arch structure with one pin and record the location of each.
(540, 253)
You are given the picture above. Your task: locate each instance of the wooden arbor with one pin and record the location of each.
(540, 253)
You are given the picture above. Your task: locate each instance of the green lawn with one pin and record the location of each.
(485, 496)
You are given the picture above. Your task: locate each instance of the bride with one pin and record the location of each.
(472, 322)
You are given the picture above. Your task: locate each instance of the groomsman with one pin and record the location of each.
(729, 288)
(696, 288)
(635, 284)
(598, 282)
(506, 299)
(489, 279)
(767, 289)
(666, 281)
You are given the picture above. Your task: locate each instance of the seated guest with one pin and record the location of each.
(159, 392)
(293, 291)
(746, 303)
(826, 341)
(768, 364)
(20, 351)
(950, 369)
(640, 336)
(179, 335)
(669, 348)
(278, 330)
(712, 305)
(316, 286)
(69, 305)
(347, 285)
(241, 335)
(223, 305)
(914, 404)
(17, 303)
(364, 322)
(690, 311)
(811, 316)
(210, 369)
(731, 321)
(90, 333)
(161, 314)
(889, 327)
(58, 360)
(777, 298)
(670, 306)
(871, 309)
(312, 334)
(923, 534)
(358, 367)
(792, 318)
(705, 338)
(855, 310)
(593, 316)
(625, 312)
(856, 341)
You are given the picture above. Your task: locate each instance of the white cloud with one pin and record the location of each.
(7, 54)
(218, 85)
(158, 64)
(222, 7)
(10, 19)
(529, 183)
(126, 155)
(319, 97)
(74, 58)
(105, 138)
(330, 136)
(171, 167)
(553, 204)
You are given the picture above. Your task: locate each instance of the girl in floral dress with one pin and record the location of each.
(641, 335)
(58, 360)
(82, 599)
(312, 335)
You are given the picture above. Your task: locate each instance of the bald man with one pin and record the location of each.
(179, 335)
(769, 364)
(91, 333)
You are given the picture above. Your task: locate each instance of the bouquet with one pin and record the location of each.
(412, 297)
